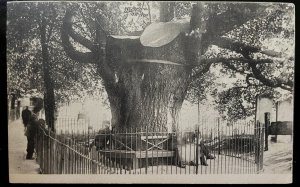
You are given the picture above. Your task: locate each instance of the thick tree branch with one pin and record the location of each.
(239, 59)
(69, 48)
(97, 54)
(240, 47)
(67, 27)
(255, 71)
(257, 74)
(269, 82)
(232, 67)
(225, 61)
(104, 70)
(234, 46)
(202, 71)
(245, 50)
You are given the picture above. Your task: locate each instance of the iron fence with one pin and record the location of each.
(209, 148)
(59, 154)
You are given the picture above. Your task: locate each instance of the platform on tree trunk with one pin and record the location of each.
(137, 154)
(133, 159)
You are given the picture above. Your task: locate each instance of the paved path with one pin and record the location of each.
(278, 159)
(17, 144)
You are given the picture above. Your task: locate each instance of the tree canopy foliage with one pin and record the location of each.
(248, 46)
(259, 59)
(72, 80)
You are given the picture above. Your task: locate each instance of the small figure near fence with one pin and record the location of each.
(31, 132)
(26, 114)
(177, 152)
(203, 152)
(203, 148)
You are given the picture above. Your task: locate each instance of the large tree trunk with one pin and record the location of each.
(49, 99)
(140, 93)
(147, 94)
(150, 95)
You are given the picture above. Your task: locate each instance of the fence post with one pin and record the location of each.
(259, 146)
(197, 149)
(55, 165)
(41, 140)
(69, 156)
(51, 153)
(44, 151)
(36, 144)
(219, 139)
(94, 158)
(146, 149)
(256, 143)
(62, 152)
(275, 136)
(261, 150)
(267, 124)
(47, 152)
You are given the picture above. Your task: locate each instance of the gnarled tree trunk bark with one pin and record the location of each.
(148, 94)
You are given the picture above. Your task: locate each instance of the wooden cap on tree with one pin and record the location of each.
(162, 33)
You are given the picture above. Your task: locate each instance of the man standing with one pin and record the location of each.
(26, 114)
(31, 132)
(203, 151)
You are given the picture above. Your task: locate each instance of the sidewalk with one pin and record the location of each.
(17, 144)
(279, 158)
